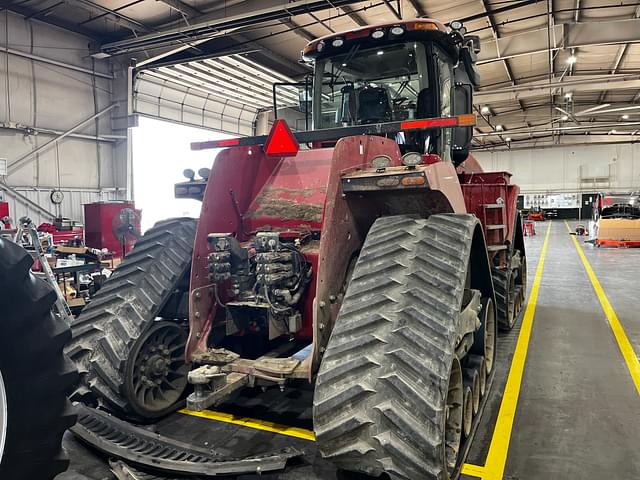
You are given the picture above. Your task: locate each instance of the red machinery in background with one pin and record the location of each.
(4, 215)
(114, 226)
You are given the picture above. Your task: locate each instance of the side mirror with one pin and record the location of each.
(462, 103)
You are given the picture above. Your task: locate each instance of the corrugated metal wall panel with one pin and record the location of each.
(71, 206)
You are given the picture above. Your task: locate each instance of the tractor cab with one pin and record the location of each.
(399, 72)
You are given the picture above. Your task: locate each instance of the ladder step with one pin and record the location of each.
(496, 248)
(496, 227)
(493, 205)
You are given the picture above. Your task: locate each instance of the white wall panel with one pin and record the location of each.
(569, 169)
(45, 96)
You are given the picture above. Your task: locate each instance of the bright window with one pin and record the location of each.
(161, 152)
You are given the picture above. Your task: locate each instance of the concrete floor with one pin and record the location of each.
(578, 414)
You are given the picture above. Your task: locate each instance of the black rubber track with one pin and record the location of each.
(505, 305)
(124, 309)
(510, 286)
(37, 375)
(379, 403)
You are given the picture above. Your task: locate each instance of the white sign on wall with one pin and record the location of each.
(562, 200)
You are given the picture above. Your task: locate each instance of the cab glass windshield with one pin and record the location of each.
(372, 85)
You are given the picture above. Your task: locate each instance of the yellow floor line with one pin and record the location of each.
(629, 355)
(499, 448)
(253, 423)
(472, 470)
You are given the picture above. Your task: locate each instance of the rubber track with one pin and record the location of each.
(501, 279)
(381, 390)
(125, 307)
(37, 375)
(142, 447)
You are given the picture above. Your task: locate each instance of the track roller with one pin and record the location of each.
(478, 364)
(472, 380)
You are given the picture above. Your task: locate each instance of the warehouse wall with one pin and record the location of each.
(38, 99)
(569, 169)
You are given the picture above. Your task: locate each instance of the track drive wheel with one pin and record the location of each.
(389, 395)
(156, 371)
(118, 329)
(510, 285)
(35, 375)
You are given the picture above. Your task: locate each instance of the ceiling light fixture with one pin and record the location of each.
(567, 95)
(572, 60)
(613, 131)
(499, 128)
(485, 110)
(565, 118)
(625, 117)
(508, 139)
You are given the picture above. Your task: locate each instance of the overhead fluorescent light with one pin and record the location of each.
(593, 109)
(100, 55)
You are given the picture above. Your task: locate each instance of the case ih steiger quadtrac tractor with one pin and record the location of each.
(369, 255)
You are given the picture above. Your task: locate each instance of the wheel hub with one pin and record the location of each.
(157, 373)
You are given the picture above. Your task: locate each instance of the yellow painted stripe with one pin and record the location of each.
(499, 448)
(629, 355)
(472, 470)
(253, 423)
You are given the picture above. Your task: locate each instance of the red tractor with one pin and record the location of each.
(369, 255)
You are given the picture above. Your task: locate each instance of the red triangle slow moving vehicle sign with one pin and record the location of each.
(281, 142)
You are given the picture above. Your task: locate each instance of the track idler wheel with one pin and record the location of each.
(478, 364)
(156, 372)
(467, 413)
(454, 416)
(484, 344)
(471, 378)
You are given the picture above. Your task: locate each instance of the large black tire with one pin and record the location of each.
(118, 318)
(382, 388)
(35, 376)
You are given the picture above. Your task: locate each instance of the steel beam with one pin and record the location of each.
(25, 200)
(297, 29)
(420, 11)
(53, 21)
(117, 17)
(586, 83)
(28, 157)
(576, 35)
(218, 21)
(182, 7)
(358, 20)
(549, 141)
(57, 63)
(395, 12)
